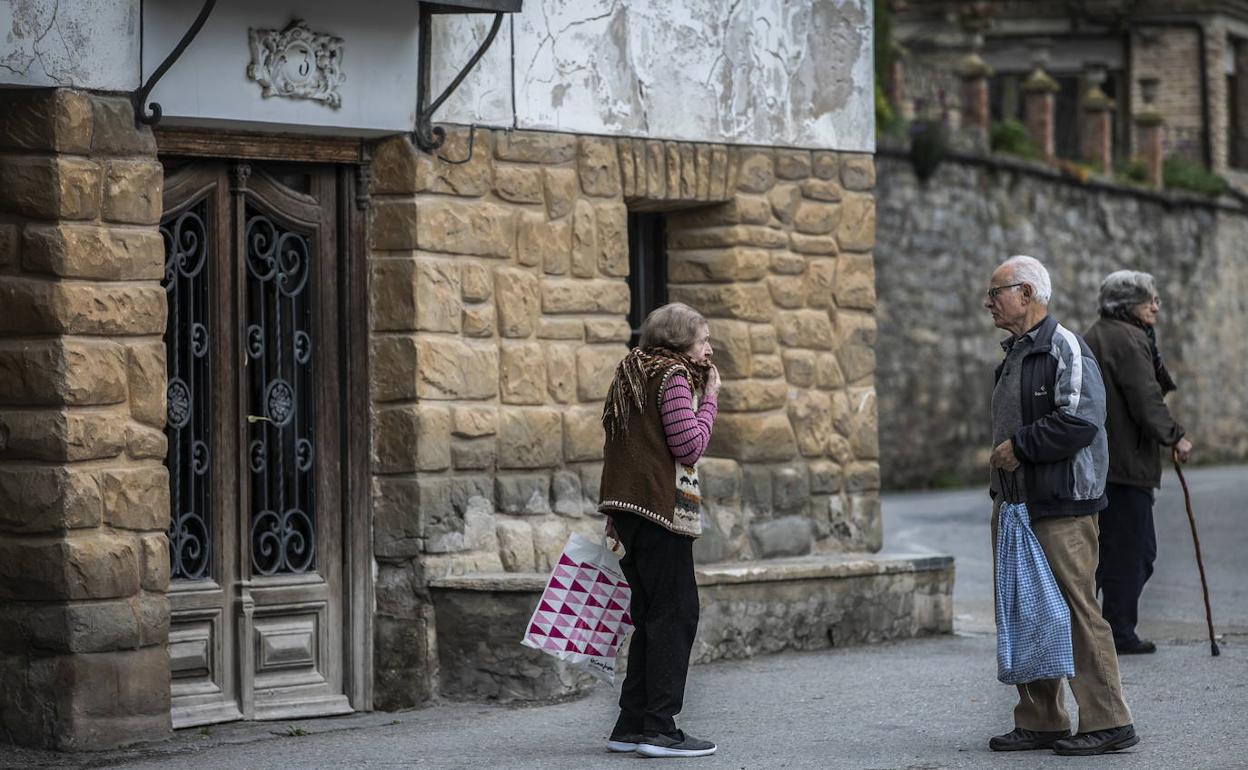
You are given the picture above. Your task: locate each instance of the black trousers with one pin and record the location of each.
(659, 567)
(1128, 550)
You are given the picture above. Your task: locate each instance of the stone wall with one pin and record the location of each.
(500, 297)
(84, 495)
(937, 349)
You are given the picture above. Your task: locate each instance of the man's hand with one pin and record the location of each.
(1183, 450)
(712, 381)
(1003, 456)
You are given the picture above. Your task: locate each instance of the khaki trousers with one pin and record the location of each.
(1070, 544)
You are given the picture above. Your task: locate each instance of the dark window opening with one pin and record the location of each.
(647, 268)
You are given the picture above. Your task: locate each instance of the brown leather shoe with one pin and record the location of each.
(1020, 739)
(1097, 742)
(1139, 647)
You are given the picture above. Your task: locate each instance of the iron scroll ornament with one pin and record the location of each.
(427, 136)
(141, 115)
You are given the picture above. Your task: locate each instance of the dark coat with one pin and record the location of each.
(1138, 422)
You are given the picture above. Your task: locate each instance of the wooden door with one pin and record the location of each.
(255, 441)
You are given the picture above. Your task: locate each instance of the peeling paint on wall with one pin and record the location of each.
(764, 72)
(80, 43)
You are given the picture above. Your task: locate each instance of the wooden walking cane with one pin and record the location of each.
(1200, 562)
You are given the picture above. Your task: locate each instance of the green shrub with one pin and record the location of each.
(1135, 172)
(1010, 137)
(885, 117)
(1185, 174)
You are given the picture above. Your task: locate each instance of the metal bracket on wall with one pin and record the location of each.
(426, 136)
(141, 114)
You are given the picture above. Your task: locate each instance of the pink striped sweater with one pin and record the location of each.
(688, 432)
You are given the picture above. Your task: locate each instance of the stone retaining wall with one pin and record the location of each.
(499, 311)
(752, 608)
(84, 494)
(938, 244)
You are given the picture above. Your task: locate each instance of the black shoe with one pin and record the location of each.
(624, 742)
(1138, 647)
(1097, 742)
(675, 745)
(1020, 739)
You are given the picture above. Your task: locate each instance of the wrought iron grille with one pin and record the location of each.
(280, 402)
(187, 396)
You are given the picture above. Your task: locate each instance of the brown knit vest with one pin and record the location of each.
(639, 474)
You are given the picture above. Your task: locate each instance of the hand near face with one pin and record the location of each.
(1003, 456)
(712, 381)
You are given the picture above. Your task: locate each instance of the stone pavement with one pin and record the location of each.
(922, 705)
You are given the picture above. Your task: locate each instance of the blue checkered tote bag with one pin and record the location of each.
(1033, 621)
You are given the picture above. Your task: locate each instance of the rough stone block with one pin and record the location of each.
(94, 565)
(731, 342)
(515, 544)
(752, 395)
(742, 209)
(805, 329)
(855, 282)
(855, 350)
(856, 231)
(441, 522)
(474, 228)
(474, 454)
(756, 491)
(821, 282)
(607, 330)
(717, 265)
(563, 295)
(56, 372)
(155, 574)
(47, 499)
(754, 437)
(825, 477)
(479, 321)
(392, 287)
(810, 412)
(136, 498)
(561, 373)
(787, 291)
(530, 438)
(743, 301)
(862, 477)
(449, 368)
(411, 438)
(720, 479)
(815, 218)
(827, 165)
(10, 245)
(474, 421)
(790, 489)
(768, 367)
(145, 375)
(393, 168)
(612, 221)
(671, 159)
(522, 373)
(476, 281)
(566, 493)
(821, 190)
(528, 493)
(733, 235)
(397, 516)
(599, 167)
(799, 367)
(828, 372)
(62, 435)
(90, 251)
(518, 184)
(583, 434)
(864, 440)
(48, 119)
(50, 187)
(788, 536)
(36, 306)
(858, 172)
(392, 366)
(518, 298)
(115, 131)
(535, 147)
(786, 263)
(756, 170)
(817, 245)
(437, 295)
(394, 224)
(549, 538)
(470, 180)
(132, 191)
(584, 240)
(763, 338)
(595, 367)
(656, 170)
(548, 244)
(144, 443)
(793, 164)
(561, 189)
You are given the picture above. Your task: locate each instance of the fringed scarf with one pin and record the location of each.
(628, 388)
(1159, 367)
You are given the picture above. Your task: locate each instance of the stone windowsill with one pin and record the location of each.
(848, 565)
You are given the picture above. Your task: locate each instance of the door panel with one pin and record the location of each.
(255, 443)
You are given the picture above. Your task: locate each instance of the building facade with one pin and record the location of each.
(269, 370)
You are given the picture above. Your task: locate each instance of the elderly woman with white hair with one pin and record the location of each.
(1139, 424)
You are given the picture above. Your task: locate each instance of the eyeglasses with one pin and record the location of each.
(994, 291)
(1155, 301)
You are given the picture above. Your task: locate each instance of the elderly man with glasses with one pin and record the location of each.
(1050, 452)
(1139, 424)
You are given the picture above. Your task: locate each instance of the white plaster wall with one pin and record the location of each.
(209, 84)
(768, 72)
(90, 44)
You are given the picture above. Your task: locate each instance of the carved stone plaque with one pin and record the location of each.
(297, 63)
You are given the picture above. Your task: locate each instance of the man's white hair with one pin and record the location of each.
(1028, 270)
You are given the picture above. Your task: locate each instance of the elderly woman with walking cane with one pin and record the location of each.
(1138, 423)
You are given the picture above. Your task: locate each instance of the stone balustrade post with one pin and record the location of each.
(1039, 111)
(1148, 129)
(975, 113)
(1096, 141)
